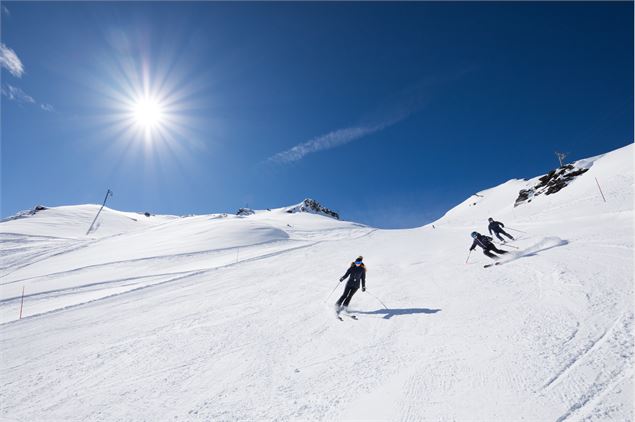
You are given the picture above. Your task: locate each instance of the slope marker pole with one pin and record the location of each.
(22, 302)
(601, 193)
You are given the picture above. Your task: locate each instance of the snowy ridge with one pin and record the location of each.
(314, 207)
(611, 169)
(226, 317)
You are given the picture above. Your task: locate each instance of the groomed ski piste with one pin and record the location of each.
(228, 318)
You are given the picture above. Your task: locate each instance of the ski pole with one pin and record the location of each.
(382, 303)
(468, 256)
(509, 246)
(506, 245)
(327, 298)
(520, 231)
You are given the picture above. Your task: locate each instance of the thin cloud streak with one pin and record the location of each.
(331, 140)
(403, 106)
(10, 61)
(16, 94)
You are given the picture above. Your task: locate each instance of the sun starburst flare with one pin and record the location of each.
(148, 113)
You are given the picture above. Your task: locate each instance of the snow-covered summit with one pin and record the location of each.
(25, 213)
(73, 221)
(314, 207)
(245, 212)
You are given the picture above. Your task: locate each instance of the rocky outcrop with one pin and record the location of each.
(245, 212)
(550, 183)
(25, 214)
(314, 207)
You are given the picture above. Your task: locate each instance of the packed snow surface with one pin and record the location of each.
(224, 317)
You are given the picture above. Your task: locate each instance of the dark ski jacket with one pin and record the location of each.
(484, 242)
(495, 226)
(356, 274)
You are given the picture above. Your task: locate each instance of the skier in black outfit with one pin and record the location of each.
(357, 273)
(485, 242)
(497, 228)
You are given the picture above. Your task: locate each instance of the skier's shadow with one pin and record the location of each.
(389, 313)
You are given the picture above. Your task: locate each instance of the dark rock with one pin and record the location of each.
(524, 195)
(26, 213)
(245, 211)
(314, 207)
(550, 183)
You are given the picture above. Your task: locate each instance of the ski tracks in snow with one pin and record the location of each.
(597, 370)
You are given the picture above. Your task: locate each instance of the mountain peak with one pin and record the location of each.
(314, 207)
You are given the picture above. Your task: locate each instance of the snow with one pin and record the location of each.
(218, 317)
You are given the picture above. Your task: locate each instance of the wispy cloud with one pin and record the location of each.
(10, 61)
(16, 94)
(398, 107)
(332, 139)
(5, 10)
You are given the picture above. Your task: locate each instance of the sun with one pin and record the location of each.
(148, 113)
(148, 105)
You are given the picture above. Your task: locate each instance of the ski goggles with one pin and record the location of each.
(358, 262)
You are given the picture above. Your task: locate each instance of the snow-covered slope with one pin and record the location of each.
(223, 317)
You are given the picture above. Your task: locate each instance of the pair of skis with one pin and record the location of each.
(504, 243)
(339, 316)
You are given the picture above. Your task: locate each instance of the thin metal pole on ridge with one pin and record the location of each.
(108, 194)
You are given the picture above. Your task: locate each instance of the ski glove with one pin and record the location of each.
(341, 279)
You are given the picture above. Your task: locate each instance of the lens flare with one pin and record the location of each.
(148, 101)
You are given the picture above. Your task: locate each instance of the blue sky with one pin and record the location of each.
(388, 113)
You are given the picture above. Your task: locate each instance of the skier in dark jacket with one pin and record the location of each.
(497, 228)
(485, 242)
(356, 273)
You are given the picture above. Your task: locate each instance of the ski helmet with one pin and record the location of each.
(474, 234)
(490, 219)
